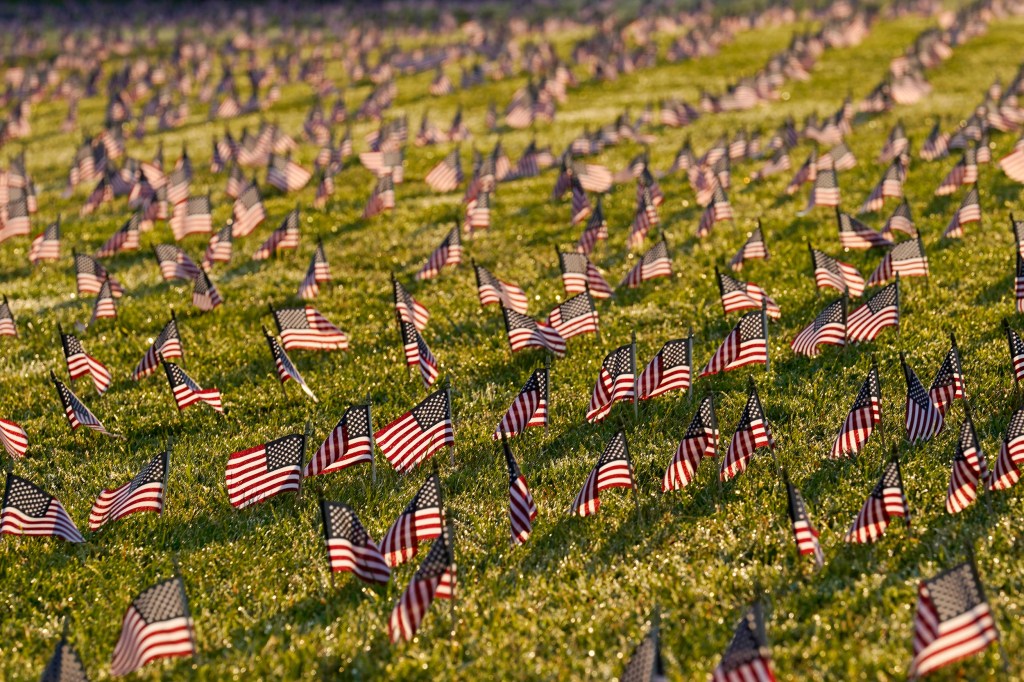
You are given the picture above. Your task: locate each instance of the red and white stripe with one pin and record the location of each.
(13, 438)
(249, 482)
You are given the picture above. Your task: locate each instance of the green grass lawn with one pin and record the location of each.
(571, 603)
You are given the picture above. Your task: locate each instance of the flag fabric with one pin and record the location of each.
(862, 418)
(754, 248)
(286, 369)
(747, 659)
(156, 625)
(827, 329)
(421, 520)
(835, 274)
(382, 198)
(965, 172)
(261, 472)
(522, 509)
(613, 470)
(27, 510)
(1006, 472)
(46, 245)
(126, 238)
(15, 220)
(174, 263)
(746, 344)
(1016, 352)
(318, 273)
(752, 433)
(700, 441)
(248, 211)
(8, 326)
(528, 409)
(878, 312)
(306, 329)
(1013, 163)
(968, 212)
(581, 208)
(655, 263)
(285, 174)
(219, 248)
(104, 307)
(969, 469)
(646, 665)
(65, 665)
(417, 353)
(923, 419)
(435, 579)
(350, 442)
(13, 438)
(448, 252)
(890, 185)
(886, 500)
(285, 237)
(82, 364)
(901, 220)
(668, 370)
(948, 384)
(166, 344)
(853, 234)
(490, 289)
(349, 547)
(407, 308)
(804, 532)
(579, 275)
(616, 381)
(595, 230)
(419, 433)
(204, 294)
(953, 620)
(186, 391)
(738, 296)
(525, 332)
(144, 493)
(447, 175)
(825, 191)
(90, 276)
(906, 259)
(77, 413)
(574, 317)
(192, 216)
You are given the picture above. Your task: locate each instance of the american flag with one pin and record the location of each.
(885, 501)
(419, 433)
(804, 532)
(407, 308)
(901, 220)
(880, 311)
(82, 364)
(104, 306)
(896, 144)
(421, 520)
(907, 259)
(828, 328)
(219, 248)
(448, 252)
(8, 327)
(144, 493)
(77, 413)
(46, 245)
(807, 172)
(829, 272)
(435, 579)
(100, 195)
(752, 433)
(746, 344)
(579, 275)
(1018, 233)
(318, 273)
(969, 212)
(285, 237)
(948, 384)
(923, 419)
(266, 470)
(853, 234)
(1018, 284)
(965, 172)
(669, 370)
(522, 509)
(860, 422)
(167, 344)
(248, 211)
(285, 174)
(490, 289)
(700, 441)
(324, 189)
(65, 665)
(382, 198)
(1013, 163)
(748, 658)
(27, 510)
(192, 216)
(645, 217)
(90, 276)
(968, 469)
(581, 208)
(754, 248)
(157, 625)
(779, 163)
(15, 221)
(525, 332)
(177, 186)
(616, 381)
(839, 157)
(891, 185)
(528, 409)
(592, 177)
(655, 263)
(204, 294)
(825, 191)
(646, 665)
(613, 470)
(186, 391)
(447, 175)
(936, 145)
(13, 438)
(576, 316)
(1011, 455)
(174, 263)
(737, 296)
(1016, 352)
(306, 329)
(417, 353)
(595, 229)
(286, 369)
(953, 620)
(350, 442)
(349, 547)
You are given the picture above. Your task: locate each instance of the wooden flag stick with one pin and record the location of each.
(689, 362)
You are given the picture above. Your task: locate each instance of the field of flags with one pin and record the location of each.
(512, 342)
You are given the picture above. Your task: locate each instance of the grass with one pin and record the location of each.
(571, 603)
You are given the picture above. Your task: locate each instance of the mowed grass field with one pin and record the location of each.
(573, 601)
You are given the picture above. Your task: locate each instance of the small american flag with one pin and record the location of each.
(77, 413)
(285, 237)
(144, 493)
(1016, 352)
(752, 433)
(700, 441)
(407, 308)
(447, 175)
(186, 391)
(435, 579)
(748, 658)
(349, 547)
(8, 327)
(419, 433)
(668, 370)
(174, 263)
(936, 145)
(923, 419)
(953, 620)
(306, 329)
(907, 259)
(27, 510)
(1006, 472)
(157, 625)
(889, 186)
(382, 198)
(286, 370)
(965, 172)
(576, 316)
(219, 248)
(645, 217)
(853, 234)
(350, 442)
(490, 289)
(522, 509)
(613, 470)
(746, 344)
(417, 353)
(807, 172)
(901, 220)
(829, 272)
(755, 248)
(448, 252)
(596, 229)
(885, 501)
(248, 211)
(192, 216)
(804, 532)
(1013, 163)
(82, 364)
(1018, 284)
(616, 381)
(779, 163)
(178, 184)
(948, 384)
(13, 438)
(15, 220)
(104, 306)
(738, 296)
(525, 332)
(969, 212)
(166, 344)
(264, 471)
(65, 665)
(581, 208)
(968, 469)
(90, 275)
(421, 520)
(839, 157)
(125, 239)
(825, 191)
(46, 245)
(880, 311)
(528, 409)
(828, 328)
(579, 275)
(592, 177)
(204, 294)
(655, 263)
(285, 174)
(318, 273)
(862, 418)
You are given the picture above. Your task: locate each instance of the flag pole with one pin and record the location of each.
(323, 518)
(369, 426)
(881, 429)
(1013, 372)
(636, 387)
(689, 362)
(270, 343)
(174, 319)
